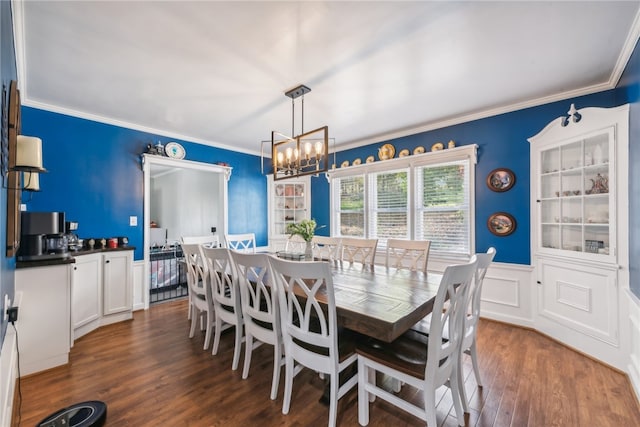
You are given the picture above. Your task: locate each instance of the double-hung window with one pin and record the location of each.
(423, 197)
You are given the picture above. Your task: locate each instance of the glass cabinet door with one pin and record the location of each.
(574, 197)
(289, 205)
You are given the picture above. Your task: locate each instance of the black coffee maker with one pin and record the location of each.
(43, 236)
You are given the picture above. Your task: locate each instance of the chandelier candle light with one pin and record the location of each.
(305, 154)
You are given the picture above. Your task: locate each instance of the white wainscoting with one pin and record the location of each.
(634, 329)
(140, 294)
(507, 293)
(8, 374)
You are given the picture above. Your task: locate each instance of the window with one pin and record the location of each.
(425, 197)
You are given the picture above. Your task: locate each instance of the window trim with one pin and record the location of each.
(465, 152)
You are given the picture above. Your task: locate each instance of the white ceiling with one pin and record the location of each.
(216, 72)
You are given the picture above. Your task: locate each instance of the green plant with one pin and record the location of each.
(305, 229)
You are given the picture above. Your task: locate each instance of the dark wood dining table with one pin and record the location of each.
(379, 302)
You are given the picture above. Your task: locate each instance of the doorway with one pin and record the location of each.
(182, 198)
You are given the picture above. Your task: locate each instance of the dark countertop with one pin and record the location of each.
(70, 259)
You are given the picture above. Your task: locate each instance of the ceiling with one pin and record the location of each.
(216, 72)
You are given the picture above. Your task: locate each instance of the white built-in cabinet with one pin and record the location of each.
(101, 290)
(579, 224)
(289, 202)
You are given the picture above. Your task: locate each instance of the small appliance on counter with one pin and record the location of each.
(73, 242)
(43, 236)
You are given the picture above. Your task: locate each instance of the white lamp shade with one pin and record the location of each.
(29, 152)
(31, 181)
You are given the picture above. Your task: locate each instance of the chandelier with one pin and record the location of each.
(305, 154)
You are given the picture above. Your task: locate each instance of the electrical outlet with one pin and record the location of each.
(12, 313)
(213, 229)
(133, 221)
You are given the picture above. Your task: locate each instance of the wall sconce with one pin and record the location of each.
(29, 154)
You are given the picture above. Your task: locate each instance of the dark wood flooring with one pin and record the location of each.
(149, 373)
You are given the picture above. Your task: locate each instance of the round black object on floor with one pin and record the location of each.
(92, 413)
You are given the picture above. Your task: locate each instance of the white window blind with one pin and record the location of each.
(442, 206)
(389, 207)
(422, 197)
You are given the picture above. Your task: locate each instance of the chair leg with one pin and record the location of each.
(474, 361)
(237, 347)
(457, 397)
(288, 385)
(207, 337)
(277, 363)
(216, 337)
(430, 407)
(333, 399)
(248, 349)
(192, 331)
(363, 398)
(460, 376)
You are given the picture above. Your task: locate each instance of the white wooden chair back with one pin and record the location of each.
(326, 248)
(223, 280)
(411, 254)
(259, 303)
(310, 333)
(241, 242)
(358, 250)
(200, 294)
(475, 294)
(449, 312)
(206, 240)
(295, 244)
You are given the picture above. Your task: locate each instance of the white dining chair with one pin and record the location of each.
(295, 244)
(310, 333)
(411, 254)
(471, 321)
(424, 362)
(326, 248)
(358, 250)
(223, 280)
(200, 295)
(245, 242)
(207, 240)
(474, 301)
(260, 312)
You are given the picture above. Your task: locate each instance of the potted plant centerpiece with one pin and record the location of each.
(305, 229)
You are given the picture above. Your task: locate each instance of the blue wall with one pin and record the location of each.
(629, 91)
(502, 142)
(95, 177)
(8, 73)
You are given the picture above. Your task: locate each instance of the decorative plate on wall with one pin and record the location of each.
(418, 150)
(357, 162)
(174, 150)
(501, 179)
(370, 159)
(387, 151)
(437, 146)
(403, 153)
(501, 224)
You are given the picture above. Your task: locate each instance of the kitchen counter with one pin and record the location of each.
(70, 259)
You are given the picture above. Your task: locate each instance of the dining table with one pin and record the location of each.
(380, 302)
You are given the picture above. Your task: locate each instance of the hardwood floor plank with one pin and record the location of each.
(150, 373)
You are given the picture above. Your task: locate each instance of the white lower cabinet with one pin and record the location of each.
(101, 290)
(86, 298)
(43, 317)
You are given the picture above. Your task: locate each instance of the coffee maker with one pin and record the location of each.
(43, 236)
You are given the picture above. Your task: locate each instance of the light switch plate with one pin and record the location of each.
(133, 221)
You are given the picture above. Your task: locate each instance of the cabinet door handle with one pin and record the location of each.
(538, 282)
(75, 268)
(107, 261)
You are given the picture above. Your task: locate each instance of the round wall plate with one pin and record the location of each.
(174, 150)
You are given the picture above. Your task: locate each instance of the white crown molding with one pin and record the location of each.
(17, 12)
(120, 123)
(627, 51)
